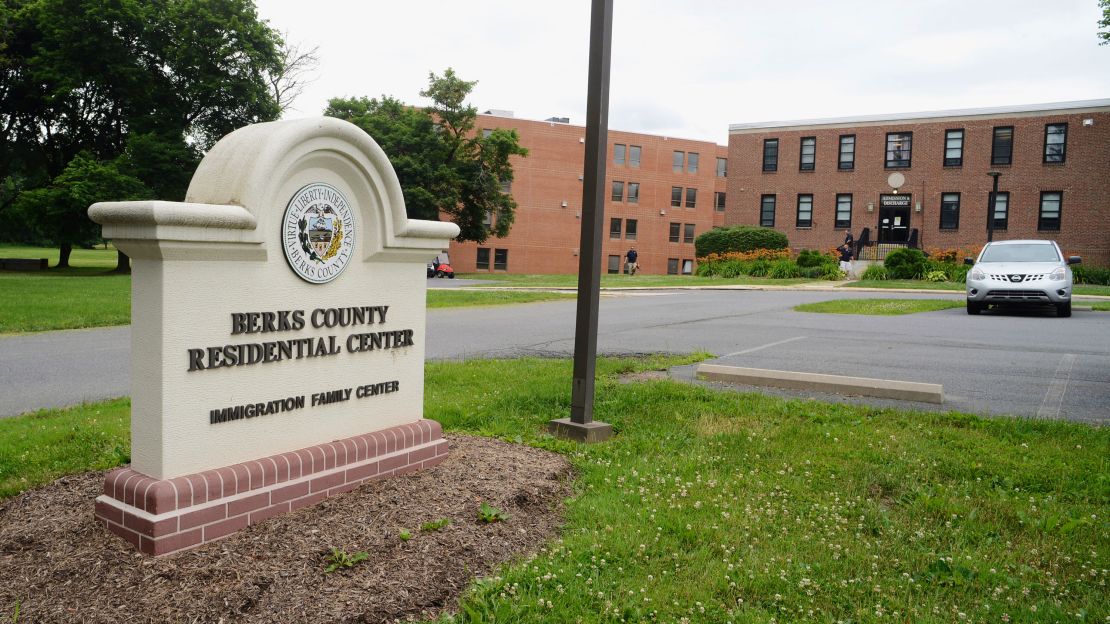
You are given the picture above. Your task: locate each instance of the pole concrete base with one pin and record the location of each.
(588, 433)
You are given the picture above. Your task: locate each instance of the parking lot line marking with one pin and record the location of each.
(773, 344)
(1054, 396)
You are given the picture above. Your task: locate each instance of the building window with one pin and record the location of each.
(1050, 211)
(614, 228)
(692, 162)
(950, 211)
(618, 154)
(486, 132)
(1055, 142)
(691, 198)
(1001, 210)
(676, 232)
(808, 154)
(677, 161)
(767, 211)
(633, 192)
(1002, 147)
(633, 155)
(805, 211)
(676, 196)
(687, 267)
(630, 229)
(688, 233)
(847, 160)
(899, 149)
(718, 201)
(507, 186)
(483, 259)
(770, 154)
(614, 265)
(843, 210)
(954, 148)
(618, 191)
(500, 259)
(487, 220)
(722, 167)
(672, 266)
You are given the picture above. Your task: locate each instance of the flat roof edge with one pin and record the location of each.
(994, 111)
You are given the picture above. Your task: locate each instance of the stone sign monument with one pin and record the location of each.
(278, 320)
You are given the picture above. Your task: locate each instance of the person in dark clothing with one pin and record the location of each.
(845, 257)
(630, 265)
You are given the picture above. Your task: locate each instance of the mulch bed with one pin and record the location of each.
(59, 565)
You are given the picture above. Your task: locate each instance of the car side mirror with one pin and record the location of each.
(1074, 260)
(969, 261)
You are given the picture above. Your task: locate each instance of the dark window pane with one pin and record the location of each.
(691, 198)
(950, 211)
(614, 228)
(953, 148)
(722, 167)
(672, 266)
(770, 154)
(808, 153)
(633, 192)
(483, 258)
(614, 265)
(1002, 146)
(676, 196)
(899, 149)
(767, 211)
(1055, 142)
(1001, 210)
(618, 154)
(501, 259)
(847, 152)
(677, 161)
(1050, 210)
(843, 211)
(719, 201)
(676, 232)
(634, 155)
(630, 229)
(688, 233)
(618, 191)
(692, 162)
(805, 211)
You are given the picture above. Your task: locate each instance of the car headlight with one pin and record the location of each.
(977, 274)
(1058, 274)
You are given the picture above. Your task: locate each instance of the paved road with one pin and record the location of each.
(1024, 363)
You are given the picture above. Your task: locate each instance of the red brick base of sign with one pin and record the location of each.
(163, 516)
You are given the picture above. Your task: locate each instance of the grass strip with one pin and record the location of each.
(44, 301)
(713, 506)
(879, 307)
(465, 298)
(627, 281)
(1077, 289)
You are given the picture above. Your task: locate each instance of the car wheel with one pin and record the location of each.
(1063, 310)
(974, 307)
(451, 275)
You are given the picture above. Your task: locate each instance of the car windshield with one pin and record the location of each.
(1032, 252)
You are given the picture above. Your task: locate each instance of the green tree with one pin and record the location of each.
(444, 166)
(1104, 23)
(145, 85)
(59, 212)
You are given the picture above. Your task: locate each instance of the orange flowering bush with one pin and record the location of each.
(747, 256)
(953, 254)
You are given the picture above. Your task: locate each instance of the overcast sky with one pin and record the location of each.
(689, 69)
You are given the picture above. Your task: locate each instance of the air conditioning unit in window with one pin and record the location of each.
(564, 204)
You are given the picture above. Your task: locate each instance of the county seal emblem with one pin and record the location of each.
(318, 233)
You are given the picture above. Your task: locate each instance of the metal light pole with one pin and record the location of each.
(581, 425)
(990, 204)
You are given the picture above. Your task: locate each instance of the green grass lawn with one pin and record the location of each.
(460, 298)
(626, 281)
(1101, 306)
(98, 258)
(1077, 289)
(717, 507)
(879, 307)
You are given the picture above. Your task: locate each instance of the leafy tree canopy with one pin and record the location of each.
(1104, 23)
(444, 166)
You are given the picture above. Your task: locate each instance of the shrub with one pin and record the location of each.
(760, 268)
(813, 272)
(936, 276)
(738, 238)
(812, 258)
(953, 272)
(875, 272)
(1096, 276)
(784, 269)
(905, 264)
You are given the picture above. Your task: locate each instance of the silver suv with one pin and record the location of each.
(1020, 272)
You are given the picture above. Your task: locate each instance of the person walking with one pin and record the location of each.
(630, 266)
(845, 257)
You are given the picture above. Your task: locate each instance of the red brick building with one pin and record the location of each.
(816, 179)
(661, 192)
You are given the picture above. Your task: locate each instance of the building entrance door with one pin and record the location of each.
(894, 218)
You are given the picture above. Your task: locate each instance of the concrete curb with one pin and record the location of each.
(883, 388)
